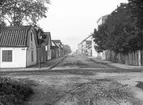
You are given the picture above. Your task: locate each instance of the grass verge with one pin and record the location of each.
(14, 92)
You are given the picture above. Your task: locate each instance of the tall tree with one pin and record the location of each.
(137, 11)
(18, 12)
(2, 23)
(120, 32)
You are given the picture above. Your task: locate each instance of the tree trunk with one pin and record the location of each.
(115, 57)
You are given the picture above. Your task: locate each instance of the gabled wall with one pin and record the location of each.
(31, 47)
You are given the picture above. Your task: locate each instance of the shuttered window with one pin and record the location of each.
(7, 56)
(31, 37)
(32, 56)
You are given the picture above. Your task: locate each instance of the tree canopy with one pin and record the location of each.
(137, 11)
(18, 12)
(40, 34)
(1, 2)
(67, 49)
(121, 32)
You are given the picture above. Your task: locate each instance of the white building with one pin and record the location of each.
(102, 20)
(86, 47)
(18, 47)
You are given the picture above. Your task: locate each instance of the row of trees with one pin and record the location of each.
(19, 12)
(122, 31)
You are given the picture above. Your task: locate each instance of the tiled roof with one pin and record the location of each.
(57, 41)
(14, 36)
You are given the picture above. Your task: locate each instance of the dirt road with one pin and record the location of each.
(79, 80)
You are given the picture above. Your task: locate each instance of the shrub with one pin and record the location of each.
(13, 92)
(140, 85)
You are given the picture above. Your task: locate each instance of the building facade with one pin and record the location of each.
(18, 47)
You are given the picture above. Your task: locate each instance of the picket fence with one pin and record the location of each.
(134, 58)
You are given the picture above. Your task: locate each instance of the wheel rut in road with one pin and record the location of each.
(99, 92)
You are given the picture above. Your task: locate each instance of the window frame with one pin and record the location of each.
(7, 56)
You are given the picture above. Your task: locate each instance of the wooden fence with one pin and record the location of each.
(134, 58)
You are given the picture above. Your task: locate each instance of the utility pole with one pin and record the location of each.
(40, 56)
(40, 42)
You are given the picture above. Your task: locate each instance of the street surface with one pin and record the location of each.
(79, 80)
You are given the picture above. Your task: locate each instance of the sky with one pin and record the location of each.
(71, 21)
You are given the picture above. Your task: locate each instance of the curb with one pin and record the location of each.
(52, 66)
(105, 63)
(118, 65)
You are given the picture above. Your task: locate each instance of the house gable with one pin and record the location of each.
(48, 38)
(32, 44)
(31, 41)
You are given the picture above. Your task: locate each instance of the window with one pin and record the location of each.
(7, 56)
(32, 56)
(31, 37)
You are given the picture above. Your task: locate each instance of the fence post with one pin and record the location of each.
(139, 57)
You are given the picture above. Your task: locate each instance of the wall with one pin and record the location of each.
(54, 54)
(89, 52)
(18, 58)
(32, 47)
(48, 52)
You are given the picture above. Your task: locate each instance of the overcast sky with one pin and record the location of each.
(73, 20)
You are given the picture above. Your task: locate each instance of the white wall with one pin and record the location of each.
(18, 58)
(29, 61)
(48, 52)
